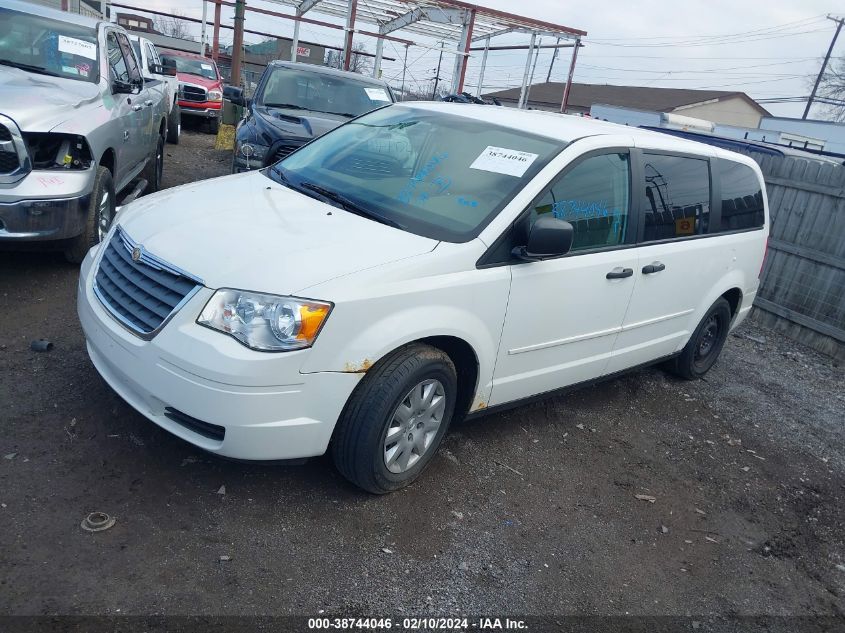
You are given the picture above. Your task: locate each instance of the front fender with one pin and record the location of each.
(469, 306)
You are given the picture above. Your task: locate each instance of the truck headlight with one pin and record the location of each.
(215, 95)
(251, 153)
(267, 323)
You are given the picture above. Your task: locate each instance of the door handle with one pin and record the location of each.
(655, 267)
(620, 273)
(148, 102)
(137, 107)
(125, 135)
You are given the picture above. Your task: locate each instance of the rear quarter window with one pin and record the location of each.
(742, 197)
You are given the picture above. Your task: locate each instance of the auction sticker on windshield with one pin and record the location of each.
(377, 94)
(73, 46)
(501, 160)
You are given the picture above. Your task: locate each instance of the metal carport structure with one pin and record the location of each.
(446, 20)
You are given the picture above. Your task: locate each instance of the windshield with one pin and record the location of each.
(321, 92)
(48, 47)
(439, 175)
(203, 68)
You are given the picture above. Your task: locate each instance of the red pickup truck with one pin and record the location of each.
(200, 86)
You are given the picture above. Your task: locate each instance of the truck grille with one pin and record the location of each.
(283, 152)
(194, 93)
(137, 288)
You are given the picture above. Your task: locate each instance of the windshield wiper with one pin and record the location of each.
(30, 67)
(349, 205)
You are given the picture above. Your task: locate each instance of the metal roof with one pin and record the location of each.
(488, 22)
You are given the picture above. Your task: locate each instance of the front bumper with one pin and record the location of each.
(206, 110)
(45, 205)
(267, 408)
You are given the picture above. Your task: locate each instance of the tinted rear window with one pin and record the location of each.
(677, 197)
(742, 197)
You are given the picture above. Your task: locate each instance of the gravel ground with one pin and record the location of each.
(532, 511)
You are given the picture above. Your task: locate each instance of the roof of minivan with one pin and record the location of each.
(55, 14)
(565, 127)
(325, 70)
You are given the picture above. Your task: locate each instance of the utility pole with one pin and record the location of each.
(552, 64)
(238, 42)
(404, 67)
(437, 74)
(204, 37)
(839, 22)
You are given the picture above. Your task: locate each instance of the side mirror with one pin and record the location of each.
(122, 87)
(549, 237)
(235, 94)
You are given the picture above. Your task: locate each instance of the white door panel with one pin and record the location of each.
(562, 320)
(664, 310)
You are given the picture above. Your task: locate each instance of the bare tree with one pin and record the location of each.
(172, 26)
(358, 63)
(831, 90)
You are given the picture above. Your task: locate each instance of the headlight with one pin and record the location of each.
(215, 95)
(267, 323)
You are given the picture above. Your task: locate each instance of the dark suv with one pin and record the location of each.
(295, 103)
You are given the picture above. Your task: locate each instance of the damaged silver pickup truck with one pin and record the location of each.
(78, 124)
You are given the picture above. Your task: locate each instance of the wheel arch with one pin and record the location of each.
(108, 159)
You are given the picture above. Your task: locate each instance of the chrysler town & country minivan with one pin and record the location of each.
(421, 263)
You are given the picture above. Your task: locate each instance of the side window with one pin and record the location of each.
(116, 62)
(677, 197)
(129, 56)
(593, 196)
(154, 54)
(742, 197)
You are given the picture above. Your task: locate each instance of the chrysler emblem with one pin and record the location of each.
(136, 253)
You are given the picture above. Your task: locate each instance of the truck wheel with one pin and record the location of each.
(98, 220)
(213, 125)
(703, 348)
(395, 419)
(174, 125)
(155, 167)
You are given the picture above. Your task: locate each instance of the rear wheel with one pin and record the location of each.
(155, 167)
(704, 346)
(396, 418)
(174, 125)
(98, 220)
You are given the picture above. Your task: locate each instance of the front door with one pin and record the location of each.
(564, 314)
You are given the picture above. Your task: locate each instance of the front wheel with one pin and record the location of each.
(98, 219)
(396, 418)
(213, 125)
(704, 346)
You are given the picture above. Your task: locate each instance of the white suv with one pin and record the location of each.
(418, 264)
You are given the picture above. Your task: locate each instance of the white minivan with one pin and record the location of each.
(421, 263)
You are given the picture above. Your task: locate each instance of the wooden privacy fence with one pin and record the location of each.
(802, 290)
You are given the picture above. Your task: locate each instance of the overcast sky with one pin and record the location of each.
(765, 48)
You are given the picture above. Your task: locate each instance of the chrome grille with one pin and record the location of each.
(193, 93)
(139, 289)
(14, 160)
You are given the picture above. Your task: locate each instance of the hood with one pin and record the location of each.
(246, 231)
(199, 80)
(298, 123)
(39, 103)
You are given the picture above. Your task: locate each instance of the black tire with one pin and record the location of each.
(358, 446)
(80, 245)
(174, 125)
(155, 168)
(213, 125)
(704, 346)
